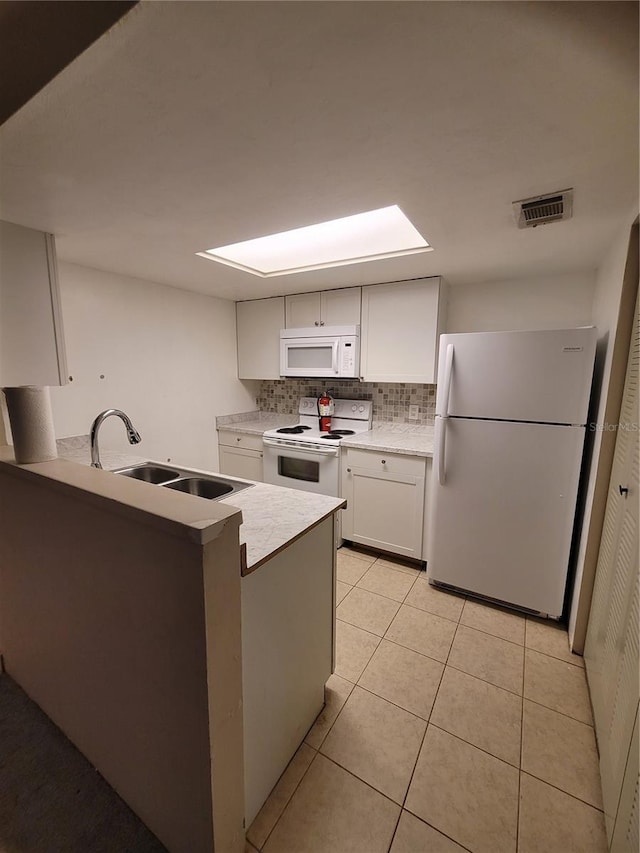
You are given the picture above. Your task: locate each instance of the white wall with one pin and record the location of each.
(549, 302)
(168, 358)
(605, 311)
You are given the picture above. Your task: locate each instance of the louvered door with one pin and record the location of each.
(626, 834)
(611, 651)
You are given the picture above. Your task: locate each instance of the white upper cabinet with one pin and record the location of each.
(326, 308)
(31, 334)
(258, 325)
(399, 332)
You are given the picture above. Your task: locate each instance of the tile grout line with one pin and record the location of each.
(382, 595)
(489, 634)
(475, 746)
(520, 695)
(317, 751)
(409, 648)
(415, 764)
(428, 723)
(479, 677)
(562, 791)
(281, 815)
(553, 657)
(457, 668)
(555, 710)
(524, 665)
(437, 615)
(395, 704)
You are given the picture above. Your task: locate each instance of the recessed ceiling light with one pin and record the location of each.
(371, 236)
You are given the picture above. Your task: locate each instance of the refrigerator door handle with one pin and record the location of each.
(448, 370)
(439, 442)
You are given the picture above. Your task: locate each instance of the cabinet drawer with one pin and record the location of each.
(392, 463)
(240, 463)
(245, 440)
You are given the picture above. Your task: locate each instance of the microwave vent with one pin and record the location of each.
(542, 209)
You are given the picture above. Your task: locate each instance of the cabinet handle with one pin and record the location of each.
(624, 491)
(383, 461)
(348, 470)
(238, 439)
(316, 323)
(322, 322)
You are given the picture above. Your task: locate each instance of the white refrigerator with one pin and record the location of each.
(511, 413)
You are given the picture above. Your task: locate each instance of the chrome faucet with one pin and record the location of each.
(132, 434)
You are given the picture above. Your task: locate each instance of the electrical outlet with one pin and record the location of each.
(413, 413)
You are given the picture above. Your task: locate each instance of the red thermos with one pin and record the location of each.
(325, 410)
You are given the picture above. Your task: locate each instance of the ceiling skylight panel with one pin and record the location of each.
(369, 236)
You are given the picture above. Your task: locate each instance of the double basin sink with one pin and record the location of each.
(211, 486)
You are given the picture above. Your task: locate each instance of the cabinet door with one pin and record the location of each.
(302, 310)
(399, 334)
(258, 324)
(241, 463)
(31, 334)
(384, 510)
(340, 307)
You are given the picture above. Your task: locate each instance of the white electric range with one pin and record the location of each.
(301, 457)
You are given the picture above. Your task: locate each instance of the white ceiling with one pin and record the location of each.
(191, 125)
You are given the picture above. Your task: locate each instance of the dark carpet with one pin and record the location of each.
(51, 799)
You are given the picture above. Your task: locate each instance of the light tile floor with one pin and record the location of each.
(449, 725)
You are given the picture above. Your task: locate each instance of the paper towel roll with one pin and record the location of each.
(29, 409)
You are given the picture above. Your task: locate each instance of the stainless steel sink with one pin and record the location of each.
(210, 486)
(202, 488)
(150, 474)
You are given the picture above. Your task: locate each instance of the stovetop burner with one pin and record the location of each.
(338, 433)
(294, 430)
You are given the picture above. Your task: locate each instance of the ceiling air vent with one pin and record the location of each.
(541, 209)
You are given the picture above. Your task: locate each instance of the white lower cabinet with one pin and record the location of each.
(288, 628)
(240, 455)
(385, 495)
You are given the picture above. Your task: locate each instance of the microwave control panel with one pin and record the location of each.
(348, 358)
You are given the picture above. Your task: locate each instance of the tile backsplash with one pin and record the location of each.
(391, 401)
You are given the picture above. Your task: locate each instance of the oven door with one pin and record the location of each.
(310, 469)
(309, 356)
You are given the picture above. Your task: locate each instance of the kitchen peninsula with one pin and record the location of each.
(127, 619)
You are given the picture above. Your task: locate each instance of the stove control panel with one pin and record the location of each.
(359, 410)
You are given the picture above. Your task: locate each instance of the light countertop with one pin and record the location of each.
(272, 516)
(412, 439)
(254, 423)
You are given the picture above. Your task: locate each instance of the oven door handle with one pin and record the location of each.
(322, 451)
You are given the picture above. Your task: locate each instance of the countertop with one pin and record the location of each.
(272, 516)
(412, 439)
(254, 423)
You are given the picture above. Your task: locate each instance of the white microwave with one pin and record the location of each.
(327, 351)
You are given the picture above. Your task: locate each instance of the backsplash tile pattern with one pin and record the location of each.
(391, 401)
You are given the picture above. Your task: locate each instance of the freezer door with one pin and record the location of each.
(519, 376)
(501, 524)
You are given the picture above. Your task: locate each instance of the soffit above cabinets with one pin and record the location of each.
(205, 124)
